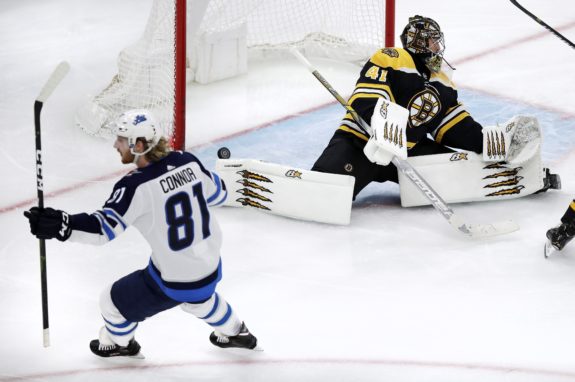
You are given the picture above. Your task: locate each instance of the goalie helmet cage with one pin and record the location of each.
(179, 37)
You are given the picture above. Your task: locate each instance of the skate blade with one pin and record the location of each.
(242, 351)
(549, 249)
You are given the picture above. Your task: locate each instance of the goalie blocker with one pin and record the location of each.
(287, 191)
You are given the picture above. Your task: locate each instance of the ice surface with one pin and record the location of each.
(395, 296)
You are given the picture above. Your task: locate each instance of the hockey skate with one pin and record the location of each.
(244, 339)
(551, 181)
(105, 347)
(558, 237)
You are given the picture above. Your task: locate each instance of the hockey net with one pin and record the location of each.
(339, 29)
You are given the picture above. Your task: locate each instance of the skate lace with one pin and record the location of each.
(221, 338)
(103, 347)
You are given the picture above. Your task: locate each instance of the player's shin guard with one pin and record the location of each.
(217, 313)
(119, 330)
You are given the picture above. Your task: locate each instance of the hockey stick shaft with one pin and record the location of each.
(542, 23)
(57, 75)
(436, 201)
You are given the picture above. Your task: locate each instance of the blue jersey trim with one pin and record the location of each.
(105, 227)
(194, 291)
(114, 215)
(218, 184)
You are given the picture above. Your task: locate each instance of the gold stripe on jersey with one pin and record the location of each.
(572, 205)
(454, 121)
(354, 132)
(364, 96)
(367, 88)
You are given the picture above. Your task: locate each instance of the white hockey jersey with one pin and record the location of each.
(167, 201)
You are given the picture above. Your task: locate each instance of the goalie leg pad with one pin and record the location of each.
(464, 177)
(287, 191)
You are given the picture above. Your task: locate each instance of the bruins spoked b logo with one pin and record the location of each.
(423, 107)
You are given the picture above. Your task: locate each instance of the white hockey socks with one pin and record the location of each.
(217, 313)
(118, 330)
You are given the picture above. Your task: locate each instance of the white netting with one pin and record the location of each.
(349, 30)
(342, 29)
(145, 77)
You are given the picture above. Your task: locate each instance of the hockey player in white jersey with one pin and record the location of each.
(166, 198)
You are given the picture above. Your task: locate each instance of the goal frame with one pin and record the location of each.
(178, 138)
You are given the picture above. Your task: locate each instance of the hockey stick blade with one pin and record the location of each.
(57, 75)
(484, 230)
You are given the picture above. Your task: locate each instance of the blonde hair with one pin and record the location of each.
(159, 151)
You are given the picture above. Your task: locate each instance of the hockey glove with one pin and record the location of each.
(517, 141)
(48, 223)
(389, 123)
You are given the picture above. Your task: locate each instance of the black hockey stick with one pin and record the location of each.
(473, 230)
(542, 23)
(55, 78)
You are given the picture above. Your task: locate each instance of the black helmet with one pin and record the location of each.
(423, 38)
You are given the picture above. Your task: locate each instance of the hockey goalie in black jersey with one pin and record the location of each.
(168, 199)
(416, 78)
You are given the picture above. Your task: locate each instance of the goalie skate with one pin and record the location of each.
(558, 237)
(243, 340)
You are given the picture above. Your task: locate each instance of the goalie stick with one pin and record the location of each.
(542, 23)
(472, 230)
(57, 75)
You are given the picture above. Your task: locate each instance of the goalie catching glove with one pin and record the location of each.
(388, 139)
(48, 223)
(517, 141)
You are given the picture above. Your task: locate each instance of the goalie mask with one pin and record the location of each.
(134, 124)
(423, 38)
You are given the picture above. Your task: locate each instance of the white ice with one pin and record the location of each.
(395, 296)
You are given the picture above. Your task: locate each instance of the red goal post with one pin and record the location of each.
(209, 40)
